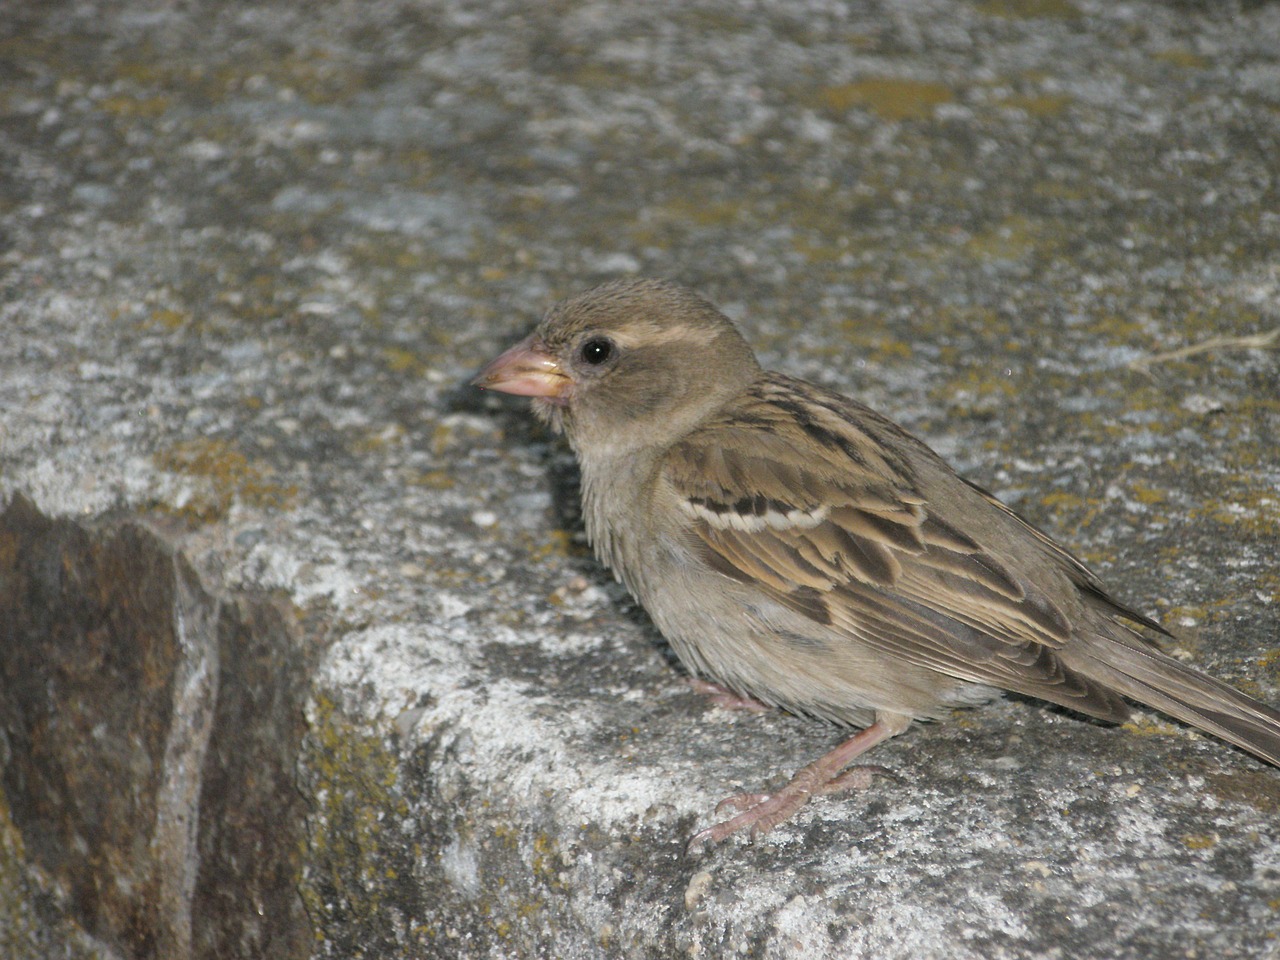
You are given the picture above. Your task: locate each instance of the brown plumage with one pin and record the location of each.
(802, 550)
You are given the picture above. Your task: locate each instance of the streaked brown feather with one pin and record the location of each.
(937, 532)
(921, 636)
(901, 536)
(889, 571)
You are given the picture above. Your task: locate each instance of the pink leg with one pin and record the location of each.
(722, 696)
(826, 775)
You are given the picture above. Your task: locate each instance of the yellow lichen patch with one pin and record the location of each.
(1145, 494)
(433, 480)
(1012, 238)
(506, 835)
(165, 319)
(529, 908)
(399, 360)
(371, 441)
(1250, 511)
(1211, 321)
(701, 212)
(145, 73)
(356, 796)
(1185, 614)
(560, 543)
(1196, 615)
(890, 98)
(1078, 189)
(1200, 841)
(317, 77)
(819, 248)
(554, 543)
(1182, 57)
(1120, 330)
(1061, 501)
(135, 107)
(599, 76)
(231, 477)
(1030, 9)
(548, 864)
(1071, 511)
(1039, 105)
(451, 434)
(24, 46)
(888, 350)
(1148, 727)
(975, 389)
(1270, 661)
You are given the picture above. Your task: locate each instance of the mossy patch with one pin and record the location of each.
(1030, 9)
(890, 98)
(399, 867)
(231, 477)
(1144, 726)
(142, 108)
(399, 360)
(1200, 841)
(1243, 507)
(163, 318)
(433, 479)
(1255, 788)
(1039, 105)
(1014, 237)
(34, 923)
(357, 865)
(20, 930)
(1183, 58)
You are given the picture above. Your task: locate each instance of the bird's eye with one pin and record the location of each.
(596, 351)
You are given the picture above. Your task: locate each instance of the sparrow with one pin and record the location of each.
(798, 549)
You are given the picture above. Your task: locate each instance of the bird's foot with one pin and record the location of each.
(723, 697)
(761, 812)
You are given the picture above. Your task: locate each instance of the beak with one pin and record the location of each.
(526, 370)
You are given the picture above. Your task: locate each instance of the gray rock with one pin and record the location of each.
(303, 653)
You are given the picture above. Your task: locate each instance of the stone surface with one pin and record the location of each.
(151, 734)
(249, 255)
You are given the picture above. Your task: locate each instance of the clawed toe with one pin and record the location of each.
(856, 778)
(761, 812)
(720, 831)
(740, 802)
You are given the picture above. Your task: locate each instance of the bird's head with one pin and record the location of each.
(627, 365)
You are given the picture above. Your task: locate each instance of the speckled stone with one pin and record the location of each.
(250, 254)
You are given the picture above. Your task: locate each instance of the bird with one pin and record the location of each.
(799, 550)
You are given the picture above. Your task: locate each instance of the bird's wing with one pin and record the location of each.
(797, 493)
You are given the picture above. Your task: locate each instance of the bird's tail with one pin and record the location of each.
(1157, 680)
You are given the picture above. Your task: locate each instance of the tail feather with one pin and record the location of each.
(1157, 680)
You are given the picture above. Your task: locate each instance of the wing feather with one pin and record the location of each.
(838, 525)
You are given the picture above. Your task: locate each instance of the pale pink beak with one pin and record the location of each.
(526, 370)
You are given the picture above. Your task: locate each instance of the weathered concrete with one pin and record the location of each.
(248, 256)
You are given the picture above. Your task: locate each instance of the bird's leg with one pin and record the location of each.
(828, 774)
(723, 697)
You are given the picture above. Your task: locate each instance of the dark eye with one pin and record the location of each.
(596, 351)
